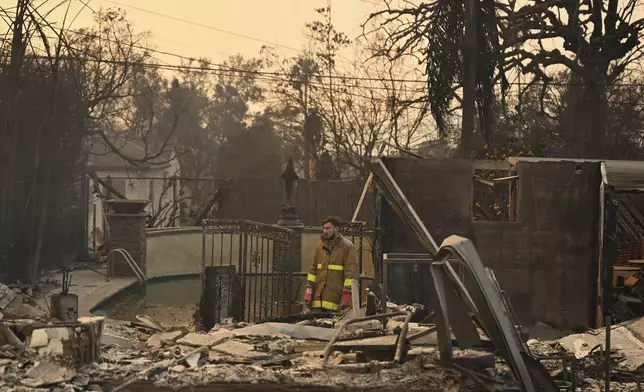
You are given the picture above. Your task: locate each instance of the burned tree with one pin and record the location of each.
(458, 43)
(601, 40)
(56, 88)
(596, 42)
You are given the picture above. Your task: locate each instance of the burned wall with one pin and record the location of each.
(546, 261)
(439, 190)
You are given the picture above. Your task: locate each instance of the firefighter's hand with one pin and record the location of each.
(308, 295)
(345, 302)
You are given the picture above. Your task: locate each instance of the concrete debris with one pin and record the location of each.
(241, 358)
(238, 349)
(623, 341)
(193, 360)
(626, 341)
(545, 332)
(293, 330)
(113, 340)
(178, 369)
(580, 345)
(371, 325)
(81, 380)
(201, 339)
(77, 341)
(216, 357)
(259, 354)
(158, 339)
(23, 307)
(149, 323)
(282, 346)
(39, 338)
(222, 334)
(48, 372)
(6, 296)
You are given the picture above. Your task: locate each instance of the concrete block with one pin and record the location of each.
(157, 339)
(39, 338)
(199, 339)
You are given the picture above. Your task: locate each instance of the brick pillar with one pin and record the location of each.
(126, 222)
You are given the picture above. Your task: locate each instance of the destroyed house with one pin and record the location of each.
(536, 222)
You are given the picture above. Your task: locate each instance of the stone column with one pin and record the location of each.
(126, 220)
(289, 217)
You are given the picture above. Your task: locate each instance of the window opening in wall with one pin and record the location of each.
(495, 195)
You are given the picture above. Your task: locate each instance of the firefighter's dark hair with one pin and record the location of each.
(334, 220)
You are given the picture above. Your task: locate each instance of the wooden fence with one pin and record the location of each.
(261, 200)
(258, 200)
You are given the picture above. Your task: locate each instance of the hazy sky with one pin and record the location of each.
(277, 21)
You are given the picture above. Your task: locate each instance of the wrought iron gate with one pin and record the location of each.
(260, 255)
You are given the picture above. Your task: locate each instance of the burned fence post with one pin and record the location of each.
(609, 250)
(221, 296)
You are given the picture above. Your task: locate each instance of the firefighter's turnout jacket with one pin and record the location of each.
(334, 267)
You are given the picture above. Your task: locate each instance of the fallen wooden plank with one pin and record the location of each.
(310, 347)
(276, 360)
(381, 342)
(293, 330)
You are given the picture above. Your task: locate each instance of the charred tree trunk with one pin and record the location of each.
(586, 121)
(9, 140)
(470, 54)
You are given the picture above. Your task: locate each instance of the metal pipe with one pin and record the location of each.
(329, 347)
(401, 339)
(130, 261)
(609, 252)
(607, 353)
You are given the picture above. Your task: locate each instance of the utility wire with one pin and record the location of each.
(202, 25)
(222, 66)
(205, 26)
(288, 77)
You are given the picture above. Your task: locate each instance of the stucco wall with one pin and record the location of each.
(137, 186)
(547, 261)
(177, 251)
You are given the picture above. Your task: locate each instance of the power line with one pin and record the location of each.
(280, 76)
(203, 25)
(287, 77)
(336, 76)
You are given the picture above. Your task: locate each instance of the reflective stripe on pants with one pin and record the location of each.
(325, 305)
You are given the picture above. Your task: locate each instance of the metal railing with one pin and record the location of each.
(130, 261)
(259, 254)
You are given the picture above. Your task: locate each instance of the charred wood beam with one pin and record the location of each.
(105, 184)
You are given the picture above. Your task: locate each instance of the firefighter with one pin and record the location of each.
(333, 270)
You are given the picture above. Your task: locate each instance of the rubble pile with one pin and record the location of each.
(93, 354)
(271, 353)
(586, 355)
(17, 302)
